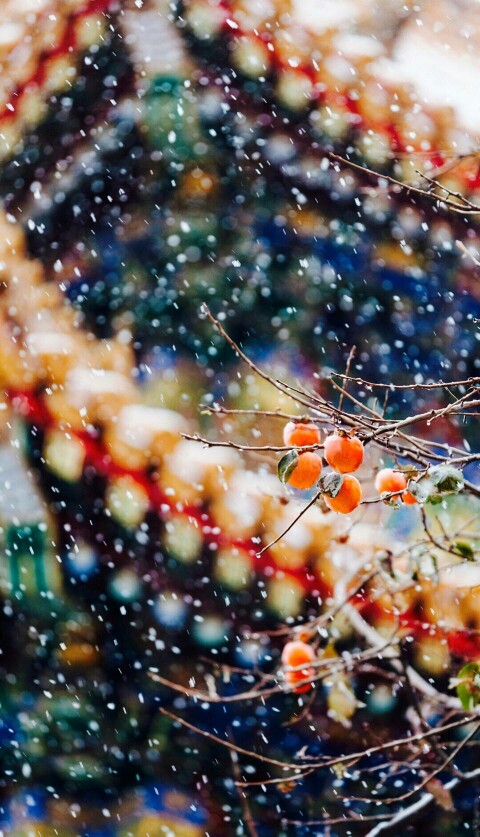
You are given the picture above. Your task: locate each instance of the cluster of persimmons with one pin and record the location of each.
(344, 453)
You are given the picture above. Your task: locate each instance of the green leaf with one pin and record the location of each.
(287, 465)
(330, 484)
(435, 499)
(467, 683)
(465, 550)
(447, 479)
(420, 489)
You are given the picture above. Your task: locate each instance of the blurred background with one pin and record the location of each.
(154, 156)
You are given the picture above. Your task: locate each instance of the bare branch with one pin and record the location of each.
(292, 524)
(465, 207)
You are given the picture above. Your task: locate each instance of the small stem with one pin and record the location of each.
(292, 524)
(347, 372)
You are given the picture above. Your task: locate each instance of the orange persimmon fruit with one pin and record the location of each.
(294, 654)
(343, 453)
(301, 434)
(348, 498)
(389, 481)
(306, 471)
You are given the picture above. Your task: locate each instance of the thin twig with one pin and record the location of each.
(244, 802)
(413, 811)
(466, 207)
(347, 372)
(212, 443)
(292, 524)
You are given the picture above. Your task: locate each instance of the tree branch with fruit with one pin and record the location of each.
(325, 447)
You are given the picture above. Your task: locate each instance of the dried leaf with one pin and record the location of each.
(330, 484)
(441, 794)
(287, 787)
